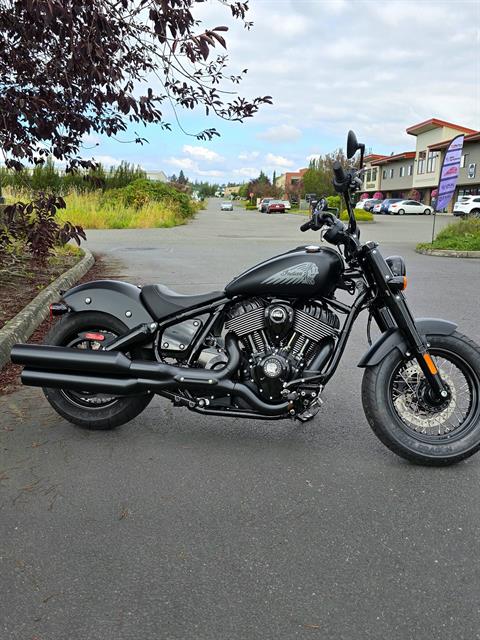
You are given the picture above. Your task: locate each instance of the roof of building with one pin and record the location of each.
(473, 137)
(373, 156)
(405, 155)
(435, 123)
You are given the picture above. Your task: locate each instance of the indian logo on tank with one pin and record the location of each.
(304, 273)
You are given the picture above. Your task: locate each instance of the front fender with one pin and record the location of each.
(393, 339)
(119, 299)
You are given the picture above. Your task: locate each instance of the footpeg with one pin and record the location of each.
(311, 412)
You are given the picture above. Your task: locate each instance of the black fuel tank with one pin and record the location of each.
(297, 274)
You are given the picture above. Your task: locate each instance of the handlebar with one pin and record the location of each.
(306, 226)
(339, 173)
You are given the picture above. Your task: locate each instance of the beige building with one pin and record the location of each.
(398, 174)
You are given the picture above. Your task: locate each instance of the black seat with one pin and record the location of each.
(162, 301)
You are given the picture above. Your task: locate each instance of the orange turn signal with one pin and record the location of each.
(430, 363)
(405, 282)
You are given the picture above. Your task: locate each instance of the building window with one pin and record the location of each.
(369, 175)
(374, 174)
(421, 162)
(384, 174)
(410, 169)
(464, 160)
(402, 172)
(431, 161)
(391, 173)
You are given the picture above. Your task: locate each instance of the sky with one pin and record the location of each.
(330, 65)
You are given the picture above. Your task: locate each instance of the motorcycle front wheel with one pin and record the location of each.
(396, 401)
(96, 411)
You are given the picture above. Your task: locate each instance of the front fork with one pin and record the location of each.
(399, 315)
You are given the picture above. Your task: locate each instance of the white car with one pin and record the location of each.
(467, 206)
(409, 206)
(360, 204)
(287, 204)
(226, 206)
(377, 207)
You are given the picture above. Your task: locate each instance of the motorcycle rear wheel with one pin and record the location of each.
(90, 410)
(395, 401)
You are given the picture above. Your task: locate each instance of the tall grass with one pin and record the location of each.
(461, 236)
(92, 211)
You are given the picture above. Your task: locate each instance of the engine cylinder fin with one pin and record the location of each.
(312, 327)
(247, 323)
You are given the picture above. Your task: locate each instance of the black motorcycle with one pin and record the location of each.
(266, 346)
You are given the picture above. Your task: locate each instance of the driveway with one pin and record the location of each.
(182, 527)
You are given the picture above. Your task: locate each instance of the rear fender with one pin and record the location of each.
(119, 299)
(393, 339)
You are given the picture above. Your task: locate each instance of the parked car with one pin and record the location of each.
(287, 204)
(262, 205)
(226, 206)
(276, 206)
(370, 203)
(409, 206)
(377, 207)
(467, 206)
(386, 203)
(360, 204)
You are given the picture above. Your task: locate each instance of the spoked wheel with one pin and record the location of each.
(91, 410)
(403, 414)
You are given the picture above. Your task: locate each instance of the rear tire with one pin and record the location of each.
(401, 212)
(475, 213)
(70, 405)
(410, 427)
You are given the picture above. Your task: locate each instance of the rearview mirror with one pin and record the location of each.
(352, 144)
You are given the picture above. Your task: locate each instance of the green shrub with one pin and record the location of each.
(336, 202)
(141, 192)
(460, 236)
(360, 215)
(250, 207)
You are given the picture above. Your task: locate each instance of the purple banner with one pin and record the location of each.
(449, 172)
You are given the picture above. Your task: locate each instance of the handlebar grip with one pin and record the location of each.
(306, 226)
(338, 172)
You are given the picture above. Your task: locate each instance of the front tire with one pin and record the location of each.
(87, 410)
(401, 212)
(396, 403)
(427, 212)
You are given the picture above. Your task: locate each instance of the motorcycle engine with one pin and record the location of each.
(279, 340)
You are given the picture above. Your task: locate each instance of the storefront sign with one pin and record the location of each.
(472, 169)
(449, 172)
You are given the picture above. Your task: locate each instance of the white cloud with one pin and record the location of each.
(282, 133)
(312, 156)
(249, 155)
(183, 163)
(107, 161)
(202, 152)
(278, 161)
(247, 172)
(190, 165)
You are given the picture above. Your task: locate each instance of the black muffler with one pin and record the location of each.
(113, 372)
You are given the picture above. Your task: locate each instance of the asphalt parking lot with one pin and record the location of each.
(182, 527)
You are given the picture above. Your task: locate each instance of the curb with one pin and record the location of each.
(449, 253)
(21, 327)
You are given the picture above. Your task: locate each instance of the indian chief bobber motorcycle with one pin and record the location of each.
(266, 346)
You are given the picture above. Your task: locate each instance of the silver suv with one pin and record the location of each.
(467, 206)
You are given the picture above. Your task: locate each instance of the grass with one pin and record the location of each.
(95, 210)
(90, 211)
(459, 236)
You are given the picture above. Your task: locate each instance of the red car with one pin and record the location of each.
(276, 206)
